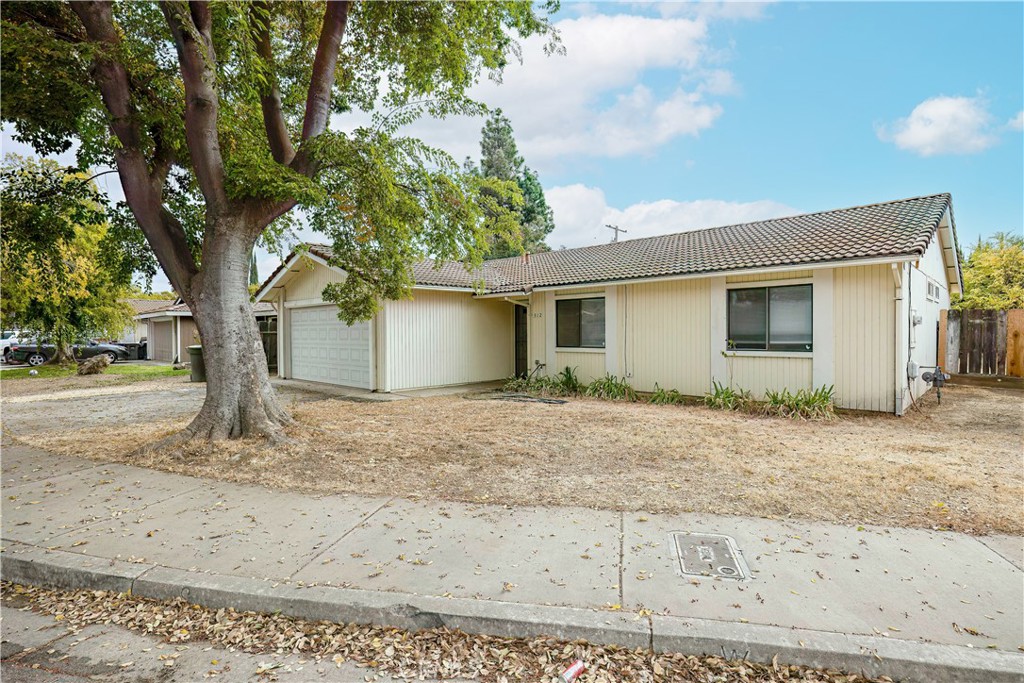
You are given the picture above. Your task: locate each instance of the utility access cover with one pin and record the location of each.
(711, 555)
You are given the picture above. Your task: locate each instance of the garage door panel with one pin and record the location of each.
(325, 349)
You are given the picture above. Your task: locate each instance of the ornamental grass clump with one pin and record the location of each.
(723, 397)
(805, 404)
(611, 388)
(665, 397)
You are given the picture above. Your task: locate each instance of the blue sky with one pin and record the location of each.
(673, 116)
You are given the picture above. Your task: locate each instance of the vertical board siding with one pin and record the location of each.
(768, 277)
(309, 283)
(589, 366)
(160, 345)
(864, 312)
(188, 333)
(442, 338)
(666, 335)
(757, 374)
(536, 332)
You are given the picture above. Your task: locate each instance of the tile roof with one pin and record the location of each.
(147, 305)
(898, 228)
(259, 308)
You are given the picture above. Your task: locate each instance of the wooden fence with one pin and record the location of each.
(977, 342)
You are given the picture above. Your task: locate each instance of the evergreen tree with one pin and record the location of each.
(500, 161)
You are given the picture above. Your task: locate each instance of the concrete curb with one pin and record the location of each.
(871, 656)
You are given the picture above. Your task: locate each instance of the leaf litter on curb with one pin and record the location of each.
(431, 653)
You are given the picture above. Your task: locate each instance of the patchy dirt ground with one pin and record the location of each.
(958, 466)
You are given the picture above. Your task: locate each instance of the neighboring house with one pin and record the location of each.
(848, 298)
(171, 330)
(139, 329)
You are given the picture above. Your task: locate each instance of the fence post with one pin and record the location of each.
(943, 331)
(1015, 342)
(954, 320)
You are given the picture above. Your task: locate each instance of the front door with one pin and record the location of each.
(521, 335)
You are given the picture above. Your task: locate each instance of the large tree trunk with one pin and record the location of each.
(240, 401)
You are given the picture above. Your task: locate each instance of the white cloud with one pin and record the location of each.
(1017, 122)
(943, 125)
(581, 213)
(595, 100)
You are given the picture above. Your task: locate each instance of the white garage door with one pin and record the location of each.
(324, 349)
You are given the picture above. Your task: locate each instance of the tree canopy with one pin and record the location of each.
(222, 117)
(219, 108)
(63, 269)
(994, 274)
(500, 161)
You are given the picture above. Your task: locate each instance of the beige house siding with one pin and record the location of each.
(864, 344)
(308, 284)
(186, 329)
(442, 338)
(160, 341)
(665, 336)
(536, 331)
(758, 374)
(768, 277)
(589, 366)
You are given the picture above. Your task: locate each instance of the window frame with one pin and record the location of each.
(580, 299)
(769, 348)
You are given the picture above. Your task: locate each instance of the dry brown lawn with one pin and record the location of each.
(958, 466)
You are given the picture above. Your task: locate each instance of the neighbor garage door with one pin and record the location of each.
(160, 345)
(324, 349)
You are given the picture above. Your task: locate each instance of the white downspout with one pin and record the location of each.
(900, 363)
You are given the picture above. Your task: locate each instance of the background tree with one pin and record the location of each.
(500, 161)
(994, 274)
(63, 272)
(216, 116)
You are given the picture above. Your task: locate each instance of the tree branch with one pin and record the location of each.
(318, 98)
(191, 28)
(270, 101)
(142, 192)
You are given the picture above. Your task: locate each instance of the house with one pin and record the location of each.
(139, 329)
(170, 330)
(848, 298)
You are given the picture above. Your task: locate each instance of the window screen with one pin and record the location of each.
(771, 318)
(579, 323)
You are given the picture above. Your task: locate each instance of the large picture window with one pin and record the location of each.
(579, 323)
(771, 318)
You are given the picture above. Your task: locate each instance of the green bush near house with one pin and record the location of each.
(665, 397)
(565, 383)
(611, 388)
(722, 397)
(805, 404)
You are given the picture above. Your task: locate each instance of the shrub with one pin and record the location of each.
(612, 388)
(665, 397)
(567, 383)
(805, 404)
(722, 397)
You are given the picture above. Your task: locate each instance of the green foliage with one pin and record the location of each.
(817, 404)
(722, 397)
(128, 373)
(500, 161)
(382, 199)
(62, 275)
(665, 397)
(565, 383)
(612, 388)
(994, 274)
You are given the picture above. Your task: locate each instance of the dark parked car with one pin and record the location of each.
(38, 354)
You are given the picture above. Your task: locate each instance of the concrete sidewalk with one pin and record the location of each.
(912, 604)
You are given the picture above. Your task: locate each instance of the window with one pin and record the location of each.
(579, 323)
(771, 318)
(933, 290)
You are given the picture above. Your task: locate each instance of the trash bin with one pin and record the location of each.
(195, 359)
(133, 350)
